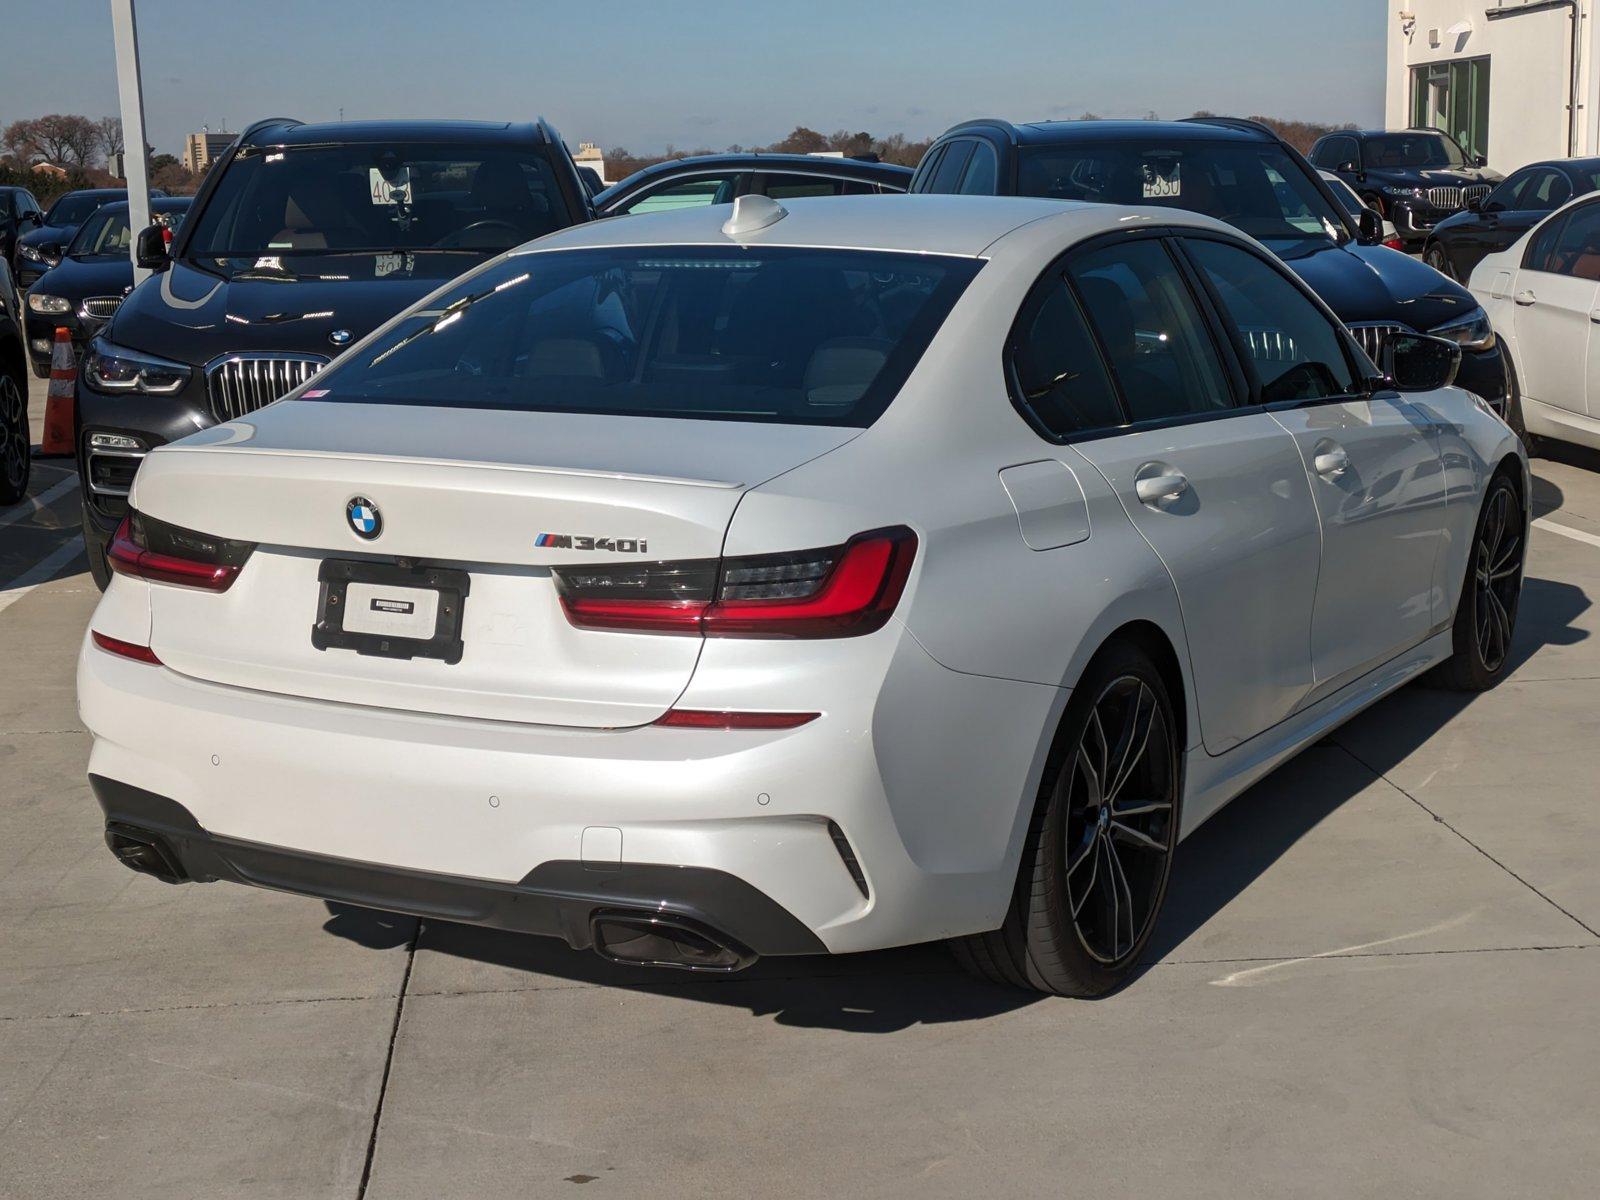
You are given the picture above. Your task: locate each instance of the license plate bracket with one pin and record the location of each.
(442, 642)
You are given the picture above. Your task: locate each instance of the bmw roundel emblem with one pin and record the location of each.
(365, 520)
(341, 337)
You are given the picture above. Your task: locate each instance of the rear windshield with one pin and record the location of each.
(378, 197)
(1254, 186)
(790, 335)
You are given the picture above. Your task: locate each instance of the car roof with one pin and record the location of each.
(1053, 133)
(295, 133)
(122, 191)
(965, 226)
(157, 204)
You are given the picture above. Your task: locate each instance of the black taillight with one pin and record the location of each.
(145, 548)
(837, 591)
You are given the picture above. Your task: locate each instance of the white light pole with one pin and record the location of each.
(130, 92)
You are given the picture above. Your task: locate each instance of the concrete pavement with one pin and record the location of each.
(1377, 975)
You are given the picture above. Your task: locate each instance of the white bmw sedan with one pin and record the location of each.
(1543, 299)
(818, 579)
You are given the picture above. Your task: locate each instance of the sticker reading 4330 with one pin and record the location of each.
(567, 541)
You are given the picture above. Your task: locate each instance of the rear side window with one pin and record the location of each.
(1058, 369)
(1158, 343)
(686, 193)
(947, 174)
(797, 187)
(1576, 250)
(1294, 350)
(777, 334)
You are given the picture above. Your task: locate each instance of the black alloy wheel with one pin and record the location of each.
(1486, 613)
(1099, 851)
(16, 462)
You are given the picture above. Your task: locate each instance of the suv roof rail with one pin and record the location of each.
(1004, 126)
(1243, 124)
(256, 126)
(547, 131)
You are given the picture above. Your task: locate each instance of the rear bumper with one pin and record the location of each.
(556, 899)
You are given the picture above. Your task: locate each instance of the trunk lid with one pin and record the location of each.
(470, 490)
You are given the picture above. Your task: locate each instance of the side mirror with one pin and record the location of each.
(1371, 226)
(1349, 167)
(1480, 160)
(1476, 204)
(1413, 362)
(150, 252)
(29, 218)
(51, 252)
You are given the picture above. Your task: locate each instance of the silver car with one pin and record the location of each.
(797, 579)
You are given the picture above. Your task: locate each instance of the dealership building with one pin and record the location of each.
(1515, 80)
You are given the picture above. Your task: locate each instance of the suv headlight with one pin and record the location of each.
(48, 306)
(109, 368)
(32, 254)
(1471, 332)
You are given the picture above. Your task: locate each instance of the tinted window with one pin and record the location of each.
(1334, 152)
(1058, 369)
(379, 196)
(1509, 194)
(1539, 256)
(75, 208)
(1295, 351)
(1406, 151)
(686, 193)
(1548, 191)
(1252, 185)
(796, 187)
(1151, 329)
(1576, 251)
(780, 334)
(947, 175)
(983, 171)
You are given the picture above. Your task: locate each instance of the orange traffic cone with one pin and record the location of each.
(58, 409)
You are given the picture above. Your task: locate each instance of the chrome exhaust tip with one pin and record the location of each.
(660, 939)
(145, 853)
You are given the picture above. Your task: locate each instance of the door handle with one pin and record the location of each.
(1525, 298)
(1156, 490)
(1594, 315)
(1330, 460)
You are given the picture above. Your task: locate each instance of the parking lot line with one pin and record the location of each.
(37, 504)
(1576, 535)
(40, 573)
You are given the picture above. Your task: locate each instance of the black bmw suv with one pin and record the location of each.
(302, 240)
(1413, 177)
(1242, 173)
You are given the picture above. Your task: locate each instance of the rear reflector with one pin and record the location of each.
(145, 548)
(700, 718)
(123, 649)
(837, 591)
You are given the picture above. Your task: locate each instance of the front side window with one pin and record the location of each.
(378, 197)
(1508, 195)
(1058, 369)
(1292, 347)
(983, 171)
(1547, 192)
(1252, 185)
(1576, 249)
(1152, 331)
(686, 193)
(777, 334)
(1335, 152)
(1540, 255)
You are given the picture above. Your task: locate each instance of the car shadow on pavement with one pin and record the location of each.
(889, 990)
(1226, 854)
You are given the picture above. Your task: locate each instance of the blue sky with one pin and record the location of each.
(643, 75)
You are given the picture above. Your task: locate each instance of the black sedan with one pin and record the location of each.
(1459, 243)
(719, 178)
(40, 248)
(86, 287)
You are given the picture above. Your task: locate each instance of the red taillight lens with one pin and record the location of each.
(839, 591)
(1394, 243)
(144, 548)
(699, 718)
(123, 649)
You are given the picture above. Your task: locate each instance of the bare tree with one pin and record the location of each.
(66, 139)
(110, 132)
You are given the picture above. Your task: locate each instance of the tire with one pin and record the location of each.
(1433, 254)
(1063, 932)
(16, 447)
(99, 571)
(40, 372)
(1486, 613)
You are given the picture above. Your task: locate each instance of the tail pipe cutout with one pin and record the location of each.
(660, 939)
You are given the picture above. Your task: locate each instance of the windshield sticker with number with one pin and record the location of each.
(1162, 183)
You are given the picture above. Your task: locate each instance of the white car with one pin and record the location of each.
(1355, 206)
(843, 576)
(1543, 298)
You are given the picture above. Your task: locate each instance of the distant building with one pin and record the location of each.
(1514, 80)
(589, 155)
(199, 149)
(50, 169)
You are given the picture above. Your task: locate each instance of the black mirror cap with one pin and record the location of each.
(51, 251)
(1371, 227)
(1476, 204)
(1349, 167)
(1480, 160)
(1414, 362)
(151, 250)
